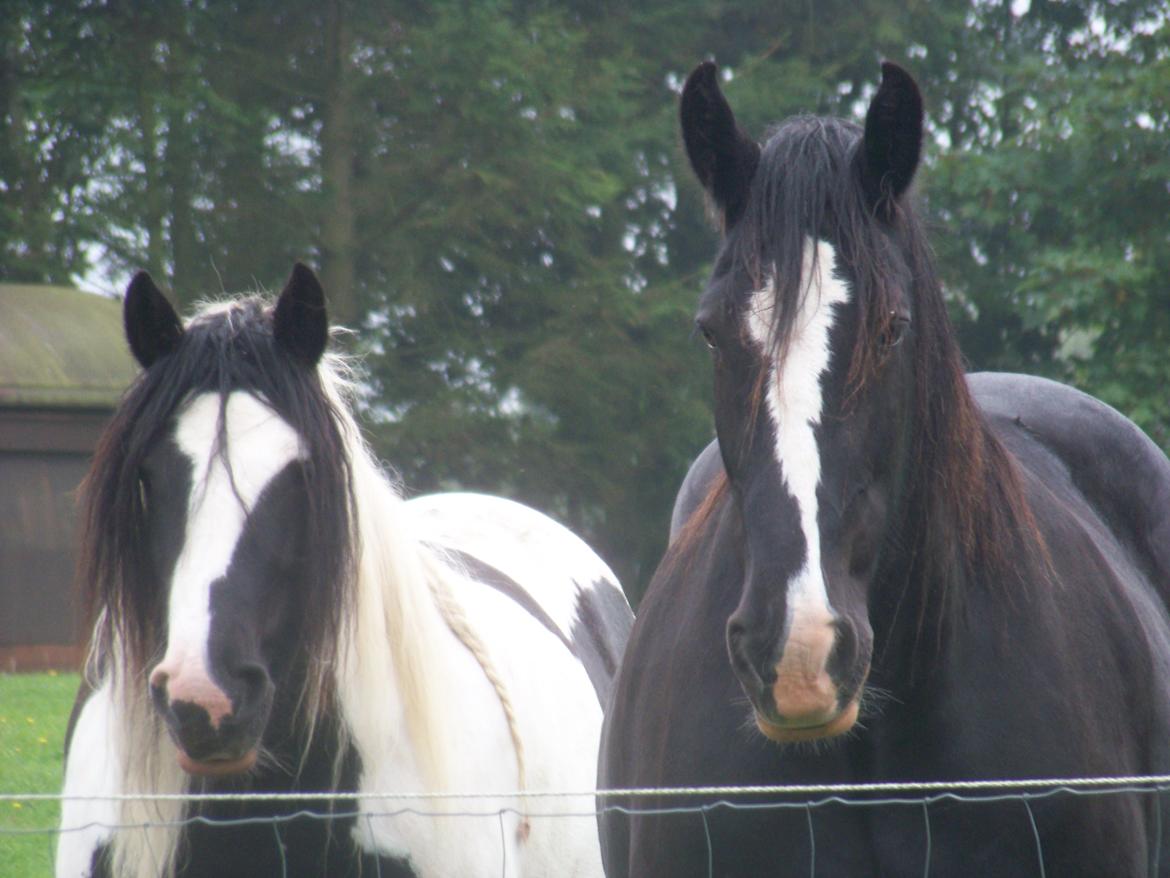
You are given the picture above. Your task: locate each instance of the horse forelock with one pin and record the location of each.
(807, 186)
(226, 348)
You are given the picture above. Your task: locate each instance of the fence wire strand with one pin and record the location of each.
(377, 860)
(503, 846)
(822, 796)
(1157, 835)
(1129, 782)
(929, 840)
(1036, 835)
(812, 843)
(710, 847)
(280, 849)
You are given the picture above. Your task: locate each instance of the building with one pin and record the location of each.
(63, 367)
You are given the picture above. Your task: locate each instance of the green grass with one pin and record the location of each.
(34, 709)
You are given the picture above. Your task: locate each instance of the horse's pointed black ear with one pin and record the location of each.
(300, 324)
(893, 137)
(153, 329)
(722, 156)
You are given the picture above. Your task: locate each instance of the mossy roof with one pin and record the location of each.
(61, 348)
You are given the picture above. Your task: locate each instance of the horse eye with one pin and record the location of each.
(708, 335)
(897, 329)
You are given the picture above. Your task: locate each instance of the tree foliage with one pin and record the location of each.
(1054, 191)
(496, 199)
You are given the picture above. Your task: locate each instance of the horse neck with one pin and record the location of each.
(394, 675)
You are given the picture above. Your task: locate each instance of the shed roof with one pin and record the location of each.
(61, 348)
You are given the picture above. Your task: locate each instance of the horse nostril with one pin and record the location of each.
(158, 695)
(743, 657)
(158, 678)
(253, 676)
(253, 682)
(848, 660)
(157, 688)
(844, 637)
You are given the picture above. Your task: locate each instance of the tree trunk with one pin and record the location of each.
(179, 173)
(153, 218)
(23, 198)
(146, 81)
(337, 159)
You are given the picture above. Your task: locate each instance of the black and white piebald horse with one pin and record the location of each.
(272, 616)
(930, 576)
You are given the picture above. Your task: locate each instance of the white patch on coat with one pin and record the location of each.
(93, 767)
(556, 711)
(794, 402)
(259, 445)
(552, 564)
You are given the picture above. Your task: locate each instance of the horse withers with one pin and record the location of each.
(272, 617)
(886, 570)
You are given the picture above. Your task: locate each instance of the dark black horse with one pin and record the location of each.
(932, 576)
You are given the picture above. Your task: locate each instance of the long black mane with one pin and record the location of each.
(965, 519)
(223, 349)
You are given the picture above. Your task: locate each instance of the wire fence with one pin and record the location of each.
(369, 807)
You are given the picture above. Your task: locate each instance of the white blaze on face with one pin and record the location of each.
(259, 445)
(794, 403)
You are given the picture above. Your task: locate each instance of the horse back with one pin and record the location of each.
(1115, 467)
(547, 570)
(696, 485)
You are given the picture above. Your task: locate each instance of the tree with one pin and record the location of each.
(496, 199)
(1053, 189)
(51, 116)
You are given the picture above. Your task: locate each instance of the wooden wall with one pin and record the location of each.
(43, 457)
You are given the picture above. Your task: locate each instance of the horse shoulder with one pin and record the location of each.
(1114, 465)
(676, 659)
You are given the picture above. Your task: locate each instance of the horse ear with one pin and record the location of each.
(722, 156)
(153, 329)
(893, 137)
(300, 324)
